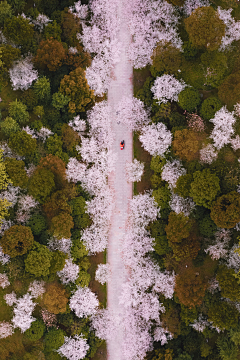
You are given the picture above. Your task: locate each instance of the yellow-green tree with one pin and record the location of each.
(187, 143)
(55, 298)
(75, 86)
(4, 181)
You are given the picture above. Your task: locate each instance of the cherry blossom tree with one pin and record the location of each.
(232, 30)
(162, 335)
(134, 171)
(219, 249)
(22, 74)
(37, 288)
(235, 143)
(172, 171)
(143, 210)
(10, 298)
(167, 87)
(4, 258)
(75, 170)
(6, 224)
(25, 205)
(81, 10)
(105, 324)
(103, 273)
(6, 329)
(131, 112)
(63, 244)
(223, 127)
(4, 282)
(83, 302)
(195, 122)
(49, 319)
(208, 154)
(29, 131)
(23, 313)
(74, 348)
(11, 194)
(41, 21)
(179, 204)
(78, 124)
(156, 139)
(213, 285)
(191, 5)
(200, 324)
(44, 133)
(69, 273)
(233, 258)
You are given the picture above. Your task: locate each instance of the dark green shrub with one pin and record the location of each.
(36, 331)
(37, 223)
(207, 227)
(158, 233)
(16, 171)
(189, 99)
(38, 260)
(209, 107)
(53, 339)
(22, 143)
(41, 184)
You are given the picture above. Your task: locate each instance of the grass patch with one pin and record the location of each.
(101, 353)
(143, 156)
(139, 78)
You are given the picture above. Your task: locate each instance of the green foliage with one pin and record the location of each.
(225, 211)
(227, 349)
(18, 30)
(179, 227)
(18, 111)
(229, 90)
(80, 217)
(54, 145)
(183, 185)
(157, 164)
(78, 250)
(166, 58)
(215, 66)
(17, 5)
(228, 283)
(223, 315)
(16, 171)
(9, 54)
(162, 196)
(184, 356)
(188, 315)
(5, 12)
(29, 99)
(57, 261)
(9, 126)
(205, 28)
(53, 339)
(83, 278)
(176, 119)
(158, 233)
(59, 100)
(189, 51)
(209, 107)
(38, 260)
(17, 240)
(207, 227)
(36, 331)
(61, 225)
(37, 223)
(41, 184)
(234, 335)
(53, 29)
(204, 188)
(189, 99)
(42, 89)
(55, 298)
(22, 143)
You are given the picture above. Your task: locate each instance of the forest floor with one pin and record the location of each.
(121, 85)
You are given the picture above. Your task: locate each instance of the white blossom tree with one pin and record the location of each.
(74, 348)
(25, 205)
(6, 329)
(233, 258)
(167, 87)
(172, 171)
(162, 335)
(220, 248)
(200, 324)
(223, 127)
(6, 224)
(134, 171)
(69, 273)
(10, 298)
(75, 170)
(208, 154)
(156, 139)
(44, 133)
(41, 21)
(78, 124)
(179, 204)
(143, 210)
(235, 142)
(23, 313)
(37, 288)
(84, 302)
(191, 5)
(11, 194)
(29, 131)
(22, 74)
(4, 282)
(131, 112)
(232, 30)
(4, 258)
(62, 244)
(103, 273)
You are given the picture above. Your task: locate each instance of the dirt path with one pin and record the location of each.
(121, 84)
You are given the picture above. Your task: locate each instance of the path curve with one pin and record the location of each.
(121, 84)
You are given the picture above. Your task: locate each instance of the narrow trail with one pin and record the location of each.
(121, 84)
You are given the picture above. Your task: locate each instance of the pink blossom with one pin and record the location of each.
(195, 122)
(213, 285)
(208, 154)
(49, 319)
(4, 282)
(162, 335)
(103, 273)
(23, 313)
(63, 244)
(74, 348)
(29, 131)
(84, 302)
(25, 205)
(37, 288)
(166, 87)
(6, 329)
(200, 324)
(143, 210)
(232, 30)
(10, 298)
(78, 124)
(172, 171)
(4, 258)
(134, 171)
(179, 204)
(191, 5)
(6, 224)
(44, 133)
(41, 21)
(75, 170)
(156, 139)
(30, 170)
(219, 249)
(235, 143)
(69, 273)
(223, 127)
(22, 74)
(11, 194)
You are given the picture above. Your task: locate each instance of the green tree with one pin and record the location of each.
(183, 185)
(229, 90)
(18, 111)
(37, 223)
(57, 167)
(61, 225)
(53, 339)
(162, 197)
(206, 226)
(228, 283)
(57, 261)
(9, 126)
(223, 315)
(234, 335)
(36, 331)
(42, 89)
(17, 5)
(204, 188)
(178, 227)
(16, 171)
(225, 211)
(38, 260)
(83, 278)
(80, 217)
(55, 298)
(157, 229)
(187, 143)
(18, 30)
(17, 240)
(59, 100)
(22, 143)
(4, 178)
(29, 99)
(53, 29)
(78, 249)
(75, 86)
(54, 145)
(41, 184)
(205, 28)
(186, 249)
(216, 67)
(166, 58)
(9, 55)
(227, 349)
(209, 107)
(5, 12)
(189, 99)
